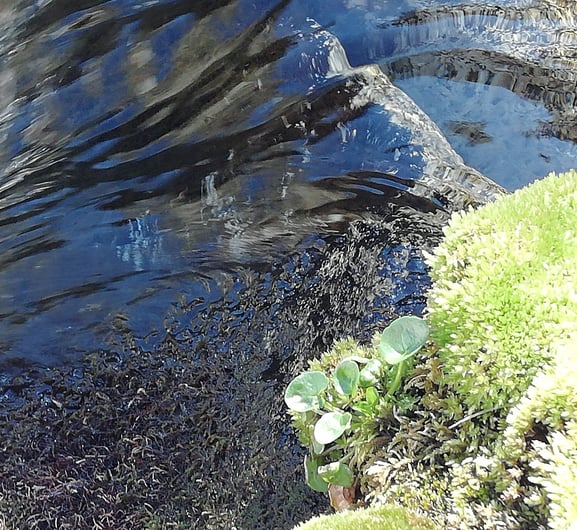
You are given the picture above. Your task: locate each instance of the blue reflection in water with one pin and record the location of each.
(151, 151)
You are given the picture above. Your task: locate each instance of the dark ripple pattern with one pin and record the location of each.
(146, 144)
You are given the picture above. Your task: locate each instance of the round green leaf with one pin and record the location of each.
(358, 359)
(363, 407)
(371, 373)
(372, 396)
(331, 425)
(303, 392)
(317, 448)
(347, 377)
(312, 477)
(370, 405)
(403, 338)
(390, 355)
(337, 473)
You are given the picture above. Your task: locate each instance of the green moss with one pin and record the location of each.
(550, 401)
(555, 470)
(504, 289)
(489, 436)
(388, 517)
(341, 350)
(503, 309)
(549, 406)
(503, 313)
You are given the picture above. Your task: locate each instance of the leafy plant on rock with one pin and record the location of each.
(338, 404)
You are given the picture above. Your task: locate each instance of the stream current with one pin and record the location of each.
(149, 147)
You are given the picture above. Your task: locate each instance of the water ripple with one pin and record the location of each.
(146, 147)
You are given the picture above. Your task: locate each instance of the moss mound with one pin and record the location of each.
(503, 312)
(386, 517)
(504, 307)
(504, 289)
(550, 407)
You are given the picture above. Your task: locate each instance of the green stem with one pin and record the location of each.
(397, 380)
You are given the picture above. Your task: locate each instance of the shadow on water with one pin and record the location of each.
(197, 197)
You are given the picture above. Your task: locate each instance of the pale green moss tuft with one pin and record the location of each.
(556, 471)
(503, 309)
(550, 404)
(505, 288)
(387, 517)
(550, 401)
(341, 350)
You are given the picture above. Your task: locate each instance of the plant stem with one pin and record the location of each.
(397, 380)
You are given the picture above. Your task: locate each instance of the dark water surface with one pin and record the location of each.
(145, 146)
(246, 181)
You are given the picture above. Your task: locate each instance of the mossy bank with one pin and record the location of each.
(484, 434)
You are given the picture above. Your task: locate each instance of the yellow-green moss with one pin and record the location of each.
(503, 309)
(491, 440)
(505, 288)
(549, 406)
(388, 517)
(555, 468)
(550, 401)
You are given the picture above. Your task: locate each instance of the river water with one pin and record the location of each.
(145, 145)
(252, 179)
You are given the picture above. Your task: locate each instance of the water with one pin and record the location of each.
(240, 183)
(142, 144)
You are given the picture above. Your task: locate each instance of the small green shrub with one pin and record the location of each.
(388, 517)
(339, 403)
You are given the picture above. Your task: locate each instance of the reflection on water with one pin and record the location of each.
(144, 146)
(511, 67)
